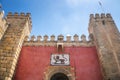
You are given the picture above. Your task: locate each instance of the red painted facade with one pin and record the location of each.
(34, 60)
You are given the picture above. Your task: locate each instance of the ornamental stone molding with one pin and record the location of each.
(67, 70)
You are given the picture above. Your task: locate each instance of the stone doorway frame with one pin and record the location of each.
(67, 70)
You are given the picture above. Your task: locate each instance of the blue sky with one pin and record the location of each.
(62, 16)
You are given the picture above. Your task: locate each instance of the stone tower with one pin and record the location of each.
(17, 27)
(107, 40)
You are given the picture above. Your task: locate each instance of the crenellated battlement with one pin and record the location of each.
(59, 38)
(21, 15)
(102, 15)
(102, 19)
(52, 40)
(20, 18)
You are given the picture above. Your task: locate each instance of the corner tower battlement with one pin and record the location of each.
(25, 17)
(101, 16)
(52, 41)
(21, 15)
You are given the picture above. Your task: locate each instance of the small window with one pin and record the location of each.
(103, 22)
(59, 48)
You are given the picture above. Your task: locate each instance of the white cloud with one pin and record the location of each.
(74, 3)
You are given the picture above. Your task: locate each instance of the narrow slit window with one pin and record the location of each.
(59, 48)
(103, 22)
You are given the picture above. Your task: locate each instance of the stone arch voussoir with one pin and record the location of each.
(67, 70)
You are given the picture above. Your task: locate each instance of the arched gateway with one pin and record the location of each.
(59, 73)
(59, 76)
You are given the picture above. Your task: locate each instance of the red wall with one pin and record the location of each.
(34, 60)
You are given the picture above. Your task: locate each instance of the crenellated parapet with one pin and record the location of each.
(100, 19)
(19, 15)
(101, 16)
(52, 40)
(25, 17)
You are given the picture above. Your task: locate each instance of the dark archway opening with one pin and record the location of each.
(59, 76)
